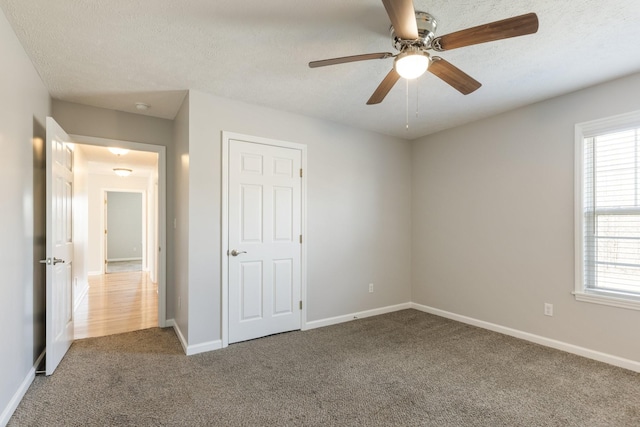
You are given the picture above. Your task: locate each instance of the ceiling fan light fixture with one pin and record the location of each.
(412, 63)
(122, 171)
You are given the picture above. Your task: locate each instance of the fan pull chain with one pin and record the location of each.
(407, 102)
(417, 97)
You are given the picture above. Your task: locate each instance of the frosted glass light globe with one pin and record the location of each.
(411, 64)
(122, 171)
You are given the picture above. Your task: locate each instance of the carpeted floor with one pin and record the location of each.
(401, 369)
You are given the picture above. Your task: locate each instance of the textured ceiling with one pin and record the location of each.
(113, 53)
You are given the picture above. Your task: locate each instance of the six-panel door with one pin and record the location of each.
(59, 262)
(265, 191)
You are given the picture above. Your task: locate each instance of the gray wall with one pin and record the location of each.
(359, 210)
(24, 105)
(103, 123)
(124, 226)
(180, 235)
(493, 217)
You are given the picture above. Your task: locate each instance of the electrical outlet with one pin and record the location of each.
(370, 287)
(548, 309)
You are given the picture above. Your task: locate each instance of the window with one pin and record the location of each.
(608, 211)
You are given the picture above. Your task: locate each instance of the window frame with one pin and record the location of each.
(582, 131)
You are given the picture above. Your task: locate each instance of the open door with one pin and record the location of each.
(59, 261)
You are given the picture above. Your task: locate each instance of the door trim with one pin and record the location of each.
(162, 208)
(224, 312)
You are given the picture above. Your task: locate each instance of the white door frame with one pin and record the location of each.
(226, 138)
(162, 208)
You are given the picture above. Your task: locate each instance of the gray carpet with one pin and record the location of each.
(401, 369)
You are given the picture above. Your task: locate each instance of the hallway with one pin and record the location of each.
(117, 303)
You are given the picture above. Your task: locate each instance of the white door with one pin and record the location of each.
(59, 319)
(264, 208)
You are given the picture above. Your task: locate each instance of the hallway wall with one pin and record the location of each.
(24, 105)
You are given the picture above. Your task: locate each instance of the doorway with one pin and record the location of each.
(120, 277)
(125, 226)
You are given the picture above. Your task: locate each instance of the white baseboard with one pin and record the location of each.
(190, 350)
(183, 342)
(19, 394)
(94, 273)
(621, 362)
(83, 293)
(204, 347)
(631, 365)
(353, 316)
(123, 259)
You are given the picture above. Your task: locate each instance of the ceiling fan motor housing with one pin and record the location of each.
(426, 32)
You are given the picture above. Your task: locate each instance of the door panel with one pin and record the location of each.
(265, 194)
(251, 208)
(59, 262)
(283, 286)
(283, 214)
(251, 291)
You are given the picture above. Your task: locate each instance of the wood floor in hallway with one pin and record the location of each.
(117, 303)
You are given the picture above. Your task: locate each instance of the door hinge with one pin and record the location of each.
(300, 305)
(105, 231)
(300, 172)
(105, 261)
(301, 239)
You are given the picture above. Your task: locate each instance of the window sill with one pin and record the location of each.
(628, 303)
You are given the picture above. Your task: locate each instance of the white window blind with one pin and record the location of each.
(611, 212)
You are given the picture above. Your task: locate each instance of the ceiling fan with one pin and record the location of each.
(413, 34)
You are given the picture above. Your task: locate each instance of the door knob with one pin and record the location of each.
(49, 261)
(236, 253)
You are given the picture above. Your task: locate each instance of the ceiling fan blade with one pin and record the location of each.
(403, 18)
(383, 89)
(454, 76)
(498, 30)
(344, 59)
